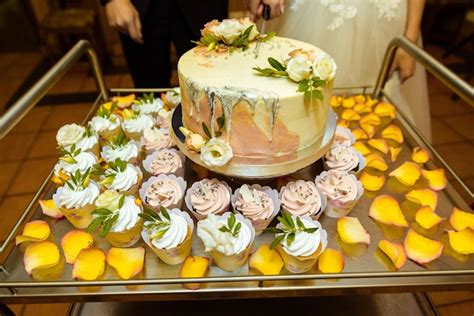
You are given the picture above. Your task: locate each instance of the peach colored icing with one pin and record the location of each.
(301, 198)
(342, 157)
(254, 204)
(164, 192)
(166, 161)
(154, 139)
(210, 197)
(338, 185)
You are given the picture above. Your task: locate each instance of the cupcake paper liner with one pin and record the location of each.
(178, 254)
(126, 238)
(151, 157)
(345, 133)
(260, 224)
(316, 215)
(142, 191)
(108, 135)
(189, 205)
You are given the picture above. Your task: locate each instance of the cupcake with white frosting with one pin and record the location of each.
(164, 161)
(302, 198)
(121, 148)
(118, 217)
(259, 204)
(168, 234)
(148, 105)
(122, 177)
(163, 191)
(342, 157)
(72, 160)
(155, 139)
(134, 125)
(105, 123)
(228, 238)
(342, 189)
(208, 196)
(75, 199)
(83, 138)
(300, 241)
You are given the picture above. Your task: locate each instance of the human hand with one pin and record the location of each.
(404, 63)
(123, 16)
(277, 8)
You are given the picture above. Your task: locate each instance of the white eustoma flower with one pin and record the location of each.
(298, 68)
(216, 153)
(324, 67)
(229, 30)
(246, 22)
(69, 134)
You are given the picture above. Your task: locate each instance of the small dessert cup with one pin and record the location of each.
(197, 214)
(350, 151)
(170, 202)
(170, 167)
(126, 238)
(131, 190)
(321, 199)
(78, 217)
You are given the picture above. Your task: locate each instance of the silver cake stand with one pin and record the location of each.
(257, 169)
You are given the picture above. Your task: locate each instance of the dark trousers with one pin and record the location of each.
(149, 63)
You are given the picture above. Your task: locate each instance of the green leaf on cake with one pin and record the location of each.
(206, 130)
(276, 64)
(267, 37)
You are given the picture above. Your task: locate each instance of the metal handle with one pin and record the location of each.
(34, 95)
(441, 72)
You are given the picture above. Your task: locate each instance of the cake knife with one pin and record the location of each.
(266, 16)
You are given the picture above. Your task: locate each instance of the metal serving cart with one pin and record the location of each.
(366, 270)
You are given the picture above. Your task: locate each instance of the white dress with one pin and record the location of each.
(356, 34)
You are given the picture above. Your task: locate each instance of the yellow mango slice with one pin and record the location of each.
(368, 129)
(379, 143)
(385, 109)
(125, 101)
(462, 241)
(350, 115)
(421, 249)
(371, 119)
(343, 123)
(395, 252)
(41, 254)
(423, 197)
(336, 101)
(460, 219)
(371, 182)
(73, 242)
(348, 103)
(331, 261)
(436, 179)
(386, 210)
(127, 262)
(359, 134)
(266, 261)
(376, 161)
(393, 132)
(394, 152)
(420, 155)
(34, 231)
(50, 209)
(363, 108)
(351, 231)
(360, 147)
(194, 267)
(408, 173)
(89, 264)
(427, 218)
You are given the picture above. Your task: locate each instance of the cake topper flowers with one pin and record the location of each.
(309, 71)
(230, 34)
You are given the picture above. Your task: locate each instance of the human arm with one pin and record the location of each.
(122, 15)
(277, 8)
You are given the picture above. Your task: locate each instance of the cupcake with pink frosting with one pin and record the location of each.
(343, 136)
(208, 196)
(256, 203)
(344, 158)
(156, 138)
(342, 189)
(302, 198)
(165, 161)
(163, 191)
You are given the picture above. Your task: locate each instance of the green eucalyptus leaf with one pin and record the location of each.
(317, 94)
(146, 217)
(311, 230)
(206, 130)
(165, 213)
(277, 241)
(290, 238)
(231, 221)
(274, 230)
(121, 201)
(276, 64)
(101, 212)
(95, 224)
(237, 229)
(300, 223)
(288, 218)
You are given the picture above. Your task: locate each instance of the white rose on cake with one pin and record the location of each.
(324, 67)
(69, 134)
(216, 153)
(298, 68)
(229, 30)
(246, 22)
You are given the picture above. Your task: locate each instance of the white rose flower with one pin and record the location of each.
(216, 153)
(298, 68)
(229, 30)
(69, 134)
(246, 22)
(210, 28)
(324, 67)
(173, 96)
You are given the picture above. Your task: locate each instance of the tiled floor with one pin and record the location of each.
(28, 152)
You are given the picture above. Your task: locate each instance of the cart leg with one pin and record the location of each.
(5, 310)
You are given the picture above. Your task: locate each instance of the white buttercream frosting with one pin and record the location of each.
(84, 160)
(174, 236)
(304, 244)
(123, 180)
(87, 142)
(125, 152)
(128, 215)
(149, 108)
(138, 124)
(101, 124)
(76, 197)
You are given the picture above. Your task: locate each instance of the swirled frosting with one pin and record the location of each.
(128, 215)
(338, 185)
(342, 157)
(149, 108)
(174, 236)
(164, 192)
(343, 136)
(166, 161)
(101, 124)
(210, 196)
(138, 124)
(84, 160)
(304, 244)
(88, 142)
(223, 242)
(164, 118)
(301, 198)
(254, 204)
(77, 197)
(124, 152)
(123, 180)
(156, 138)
